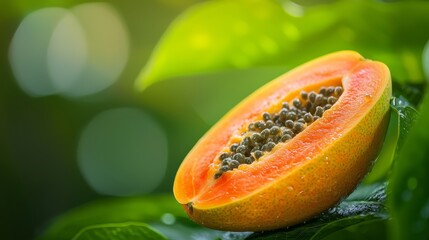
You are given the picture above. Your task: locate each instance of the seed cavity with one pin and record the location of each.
(262, 136)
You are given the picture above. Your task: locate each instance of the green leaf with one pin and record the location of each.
(366, 204)
(402, 119)
(225, 34)
(119, 231)
(384, 160)
(184, 229)
(265, 33)
(116, 210)
(409, 202)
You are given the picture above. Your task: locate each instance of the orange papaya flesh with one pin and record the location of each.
(300, 178)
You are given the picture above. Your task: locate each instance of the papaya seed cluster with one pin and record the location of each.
(279, 127)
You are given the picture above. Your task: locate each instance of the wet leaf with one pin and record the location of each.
(409, 202)
(119, 231)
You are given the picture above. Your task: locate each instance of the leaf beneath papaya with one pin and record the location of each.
(119, 231)
(366, 204)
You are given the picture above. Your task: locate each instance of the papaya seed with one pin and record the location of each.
(266, 116)
(249, 160)
(324, 101)
(296, 103)
(330, 91)
(238, 156)
(265, 133)
(288, 132)
(256, 137)
(254, 149)
(274, 130)
(286, 137)
(233, 147)
(308, 118)
(223, 156)
(217, 175)
(291, 115)
(304, 95)
(258, 154)
(261, 125)
(283, 113)
(319, 111)
(312, 97)
(225, 168)
(269, 124)
(234, 164)
(301, 120)
(332, 100)
(226, 161)
(246, 141)
(298, 127)
(241, 149)
(338, 91)
(319, 99)
(285, 105)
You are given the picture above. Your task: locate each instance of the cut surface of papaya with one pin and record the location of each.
(290, 150)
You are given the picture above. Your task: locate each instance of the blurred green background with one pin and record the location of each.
(42, 171)
(104, 99)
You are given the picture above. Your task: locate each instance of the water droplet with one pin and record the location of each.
(368, 96)
(290, 188)
(168, 218)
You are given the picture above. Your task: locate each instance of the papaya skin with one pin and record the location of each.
(300, 178)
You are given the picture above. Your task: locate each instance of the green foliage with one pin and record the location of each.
(264, 32)
(117, 210)
(402, 118)
(410, 199)
(119, 231)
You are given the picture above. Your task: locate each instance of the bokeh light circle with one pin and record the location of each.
(73, 53)
(67, 53)
(108, 48)
(123, 152)
(28, 51)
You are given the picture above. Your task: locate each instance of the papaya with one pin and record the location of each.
(292, 149)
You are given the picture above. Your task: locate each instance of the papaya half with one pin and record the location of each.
(292, 149)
